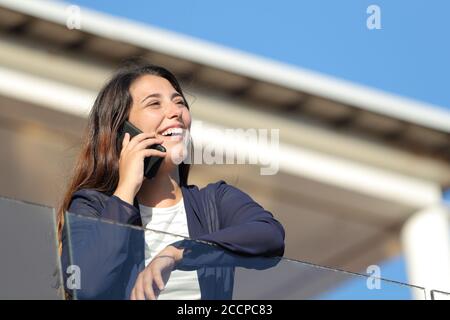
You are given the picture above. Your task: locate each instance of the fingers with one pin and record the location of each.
(126, 140)
(143, 288)
(153, 152)
(148, 286)
(138, 138)
(148, 290)
(158, 280)
(139, 288)
(148, 142)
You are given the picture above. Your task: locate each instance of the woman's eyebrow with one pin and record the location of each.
(157, 95)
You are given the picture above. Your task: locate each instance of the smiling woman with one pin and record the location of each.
(109, 183)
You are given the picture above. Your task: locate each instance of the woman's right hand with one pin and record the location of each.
(131, 164)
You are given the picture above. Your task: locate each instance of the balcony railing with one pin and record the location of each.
(101, 259)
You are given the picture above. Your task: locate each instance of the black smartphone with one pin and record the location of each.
(151, 164)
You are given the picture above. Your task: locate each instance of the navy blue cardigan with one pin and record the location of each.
(110, 258)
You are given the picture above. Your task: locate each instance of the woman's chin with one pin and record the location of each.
(175, 154)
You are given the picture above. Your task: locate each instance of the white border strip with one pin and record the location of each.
(234, 61)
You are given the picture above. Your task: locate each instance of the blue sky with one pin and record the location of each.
(356, 287)
(409, 56)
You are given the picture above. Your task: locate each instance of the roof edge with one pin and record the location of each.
(244, 64)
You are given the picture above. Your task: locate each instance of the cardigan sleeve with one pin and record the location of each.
(98, 248)
(245, 226)
(199, 255)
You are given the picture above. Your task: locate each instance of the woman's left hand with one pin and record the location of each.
(160, 267)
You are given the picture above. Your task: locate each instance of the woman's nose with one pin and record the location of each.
(173, 110)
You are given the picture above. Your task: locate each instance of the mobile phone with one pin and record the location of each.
(151, 164)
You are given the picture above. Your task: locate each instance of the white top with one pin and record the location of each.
(172, 221)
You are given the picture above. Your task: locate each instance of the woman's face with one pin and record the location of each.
(158, 106)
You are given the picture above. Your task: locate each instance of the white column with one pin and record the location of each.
(426, 245)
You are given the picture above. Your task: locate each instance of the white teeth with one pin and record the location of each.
(172, 131)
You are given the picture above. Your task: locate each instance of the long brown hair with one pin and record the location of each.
(97, 166)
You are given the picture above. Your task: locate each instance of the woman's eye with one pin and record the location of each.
(157, 104)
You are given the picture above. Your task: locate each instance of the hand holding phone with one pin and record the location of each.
(152, 163)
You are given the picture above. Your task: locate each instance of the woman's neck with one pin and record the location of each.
(161, 191)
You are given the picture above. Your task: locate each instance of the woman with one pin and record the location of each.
(108, 182)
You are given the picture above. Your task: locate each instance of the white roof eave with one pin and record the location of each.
(245, 64)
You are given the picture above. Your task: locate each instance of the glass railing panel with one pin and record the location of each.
(30, 265)
(102, 259)
(290, 279)
(210, 272)
(439, 295)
